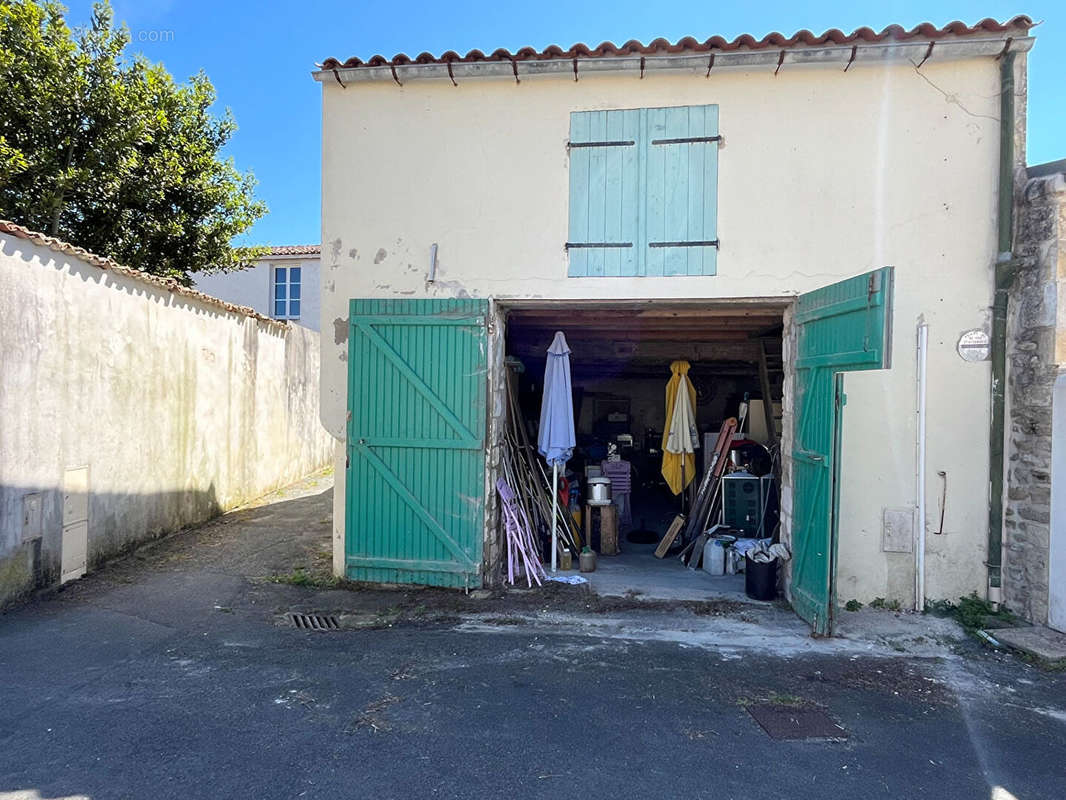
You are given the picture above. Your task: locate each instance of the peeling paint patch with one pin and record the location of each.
(380, 255)
(353, 253)
(343, 356)
(340, 330)
(331, 286)
(335, 252)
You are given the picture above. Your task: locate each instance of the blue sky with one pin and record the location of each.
(259, 55)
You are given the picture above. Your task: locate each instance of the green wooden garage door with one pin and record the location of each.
(841, 328)
(417, 378)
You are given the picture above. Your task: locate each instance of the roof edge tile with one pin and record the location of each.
(104, 263)
(689, 44)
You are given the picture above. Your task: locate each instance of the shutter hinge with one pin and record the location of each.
(619, 143)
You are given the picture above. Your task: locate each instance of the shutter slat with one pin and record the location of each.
(678, 178)
(598, 191)
(696, 190)
(579, 194)
(655, 191)
(612, 211)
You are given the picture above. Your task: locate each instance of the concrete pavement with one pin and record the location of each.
(173, 674)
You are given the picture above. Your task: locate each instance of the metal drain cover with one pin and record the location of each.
(787, 722)
(315, 622)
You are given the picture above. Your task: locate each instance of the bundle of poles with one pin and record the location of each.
(525, 473)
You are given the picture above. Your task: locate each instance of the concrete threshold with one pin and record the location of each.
(1044, 643)
(639, 575)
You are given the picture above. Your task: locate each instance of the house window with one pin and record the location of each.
(643, 192)
(286, 292)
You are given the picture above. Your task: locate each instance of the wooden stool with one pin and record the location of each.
(608, 528)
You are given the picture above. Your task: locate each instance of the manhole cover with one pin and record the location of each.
(315, 622)
(786, 722)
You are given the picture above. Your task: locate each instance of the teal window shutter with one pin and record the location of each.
(605, 200)
(681, 191)
(644, 192)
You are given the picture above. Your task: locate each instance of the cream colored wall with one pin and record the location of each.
(822, 175)
(179, 408)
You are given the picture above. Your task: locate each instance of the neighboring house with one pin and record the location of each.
(283, 284)
(845, 200)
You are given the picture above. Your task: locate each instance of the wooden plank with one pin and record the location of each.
(609, 530)
(767, 399)
(597, 193)
(696, 551)
(654, 192)
(579, 193)
(629, 265)
(675, 192)
(669, 536)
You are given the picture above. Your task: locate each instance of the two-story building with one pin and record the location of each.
(842, 202)
(283, 284)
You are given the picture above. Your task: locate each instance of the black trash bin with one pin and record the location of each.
(760, 579)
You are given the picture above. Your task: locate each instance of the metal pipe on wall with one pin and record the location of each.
(919, 548)
(1005, 270)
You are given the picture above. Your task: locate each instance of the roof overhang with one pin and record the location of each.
(850, 56)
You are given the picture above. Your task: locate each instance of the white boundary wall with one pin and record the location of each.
(179, 405)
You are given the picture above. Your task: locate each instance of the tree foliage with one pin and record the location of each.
(108, 152)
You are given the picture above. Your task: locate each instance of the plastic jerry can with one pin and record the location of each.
(714, 557)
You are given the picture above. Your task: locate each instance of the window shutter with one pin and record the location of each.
(605, 199)
(681, 195)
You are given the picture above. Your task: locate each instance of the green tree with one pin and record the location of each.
(107, 152)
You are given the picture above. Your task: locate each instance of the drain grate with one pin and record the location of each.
(315, 622)
(786, 722)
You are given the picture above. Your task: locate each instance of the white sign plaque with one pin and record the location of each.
(974, 346)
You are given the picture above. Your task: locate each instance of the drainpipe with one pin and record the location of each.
(919, 551)
(1005, 271)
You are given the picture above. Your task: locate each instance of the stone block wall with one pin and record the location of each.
(1035, 348)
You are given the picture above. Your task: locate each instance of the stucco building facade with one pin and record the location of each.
(835, 157)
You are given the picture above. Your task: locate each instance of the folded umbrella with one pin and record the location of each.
(680, 435)
(555, 440)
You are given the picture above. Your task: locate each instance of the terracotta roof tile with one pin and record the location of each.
(296, 250)
(926, 30)
(166, 284)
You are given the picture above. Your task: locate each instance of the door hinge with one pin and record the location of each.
(874, 283)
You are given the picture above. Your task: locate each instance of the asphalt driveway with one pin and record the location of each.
(175, 673)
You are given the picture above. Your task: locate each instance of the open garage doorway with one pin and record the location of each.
(622, 357)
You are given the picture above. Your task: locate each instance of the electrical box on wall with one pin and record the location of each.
(897, 534)
(32, 518)
(74, 555)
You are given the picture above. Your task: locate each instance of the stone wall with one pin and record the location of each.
(1035, 350)
(131, 407)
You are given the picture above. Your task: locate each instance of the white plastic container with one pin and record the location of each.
(714, 557)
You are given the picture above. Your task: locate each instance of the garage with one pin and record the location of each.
(433, 386)
(623, 355)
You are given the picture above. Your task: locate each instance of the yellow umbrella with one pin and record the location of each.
(672, 461)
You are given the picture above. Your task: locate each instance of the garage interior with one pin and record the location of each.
(620, 364)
